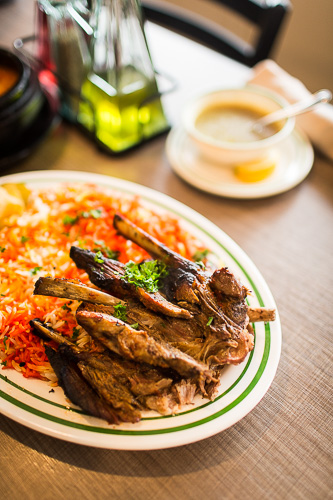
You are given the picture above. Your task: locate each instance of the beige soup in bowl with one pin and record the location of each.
(233, 124)
(220, 124)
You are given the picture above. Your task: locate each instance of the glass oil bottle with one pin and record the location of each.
(120, 102)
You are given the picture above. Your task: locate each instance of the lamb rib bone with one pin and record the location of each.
(63, 288)
(67, 289)
(154, 247)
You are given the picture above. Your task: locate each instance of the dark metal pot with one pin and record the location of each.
(20, 105)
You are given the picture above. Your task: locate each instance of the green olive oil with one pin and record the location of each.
(123, 113)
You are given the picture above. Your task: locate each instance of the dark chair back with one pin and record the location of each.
(266, 15)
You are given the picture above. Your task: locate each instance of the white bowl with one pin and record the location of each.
(231, 153)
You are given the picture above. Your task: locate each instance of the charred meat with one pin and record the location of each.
(110, 276)
(139, 346)
(218, 318)
(110, 387)
(77, 389)
(164, 329)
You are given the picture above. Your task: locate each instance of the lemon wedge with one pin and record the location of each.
(13, 199)
(18, 190)
(256, 170)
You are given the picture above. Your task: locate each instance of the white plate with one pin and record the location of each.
(29, 401)
(295, 160)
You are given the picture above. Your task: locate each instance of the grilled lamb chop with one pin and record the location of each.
(146, 387)
(109, 275)
(75, 290)
(77, 389)
(186, 336)
(197, 322)
(109, 387)
(186, 276)
(100, 375)
(216, 300)
(97, 371)
(216, 333)
(139, 346)
(180, 284)
(209, 335)
(161, 329)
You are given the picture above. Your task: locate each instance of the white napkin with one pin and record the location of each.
(318, 123)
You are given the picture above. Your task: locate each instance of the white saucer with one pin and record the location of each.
(295, 162)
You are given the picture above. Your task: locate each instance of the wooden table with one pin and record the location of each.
(283, 448)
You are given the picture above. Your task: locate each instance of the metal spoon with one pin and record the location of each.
(294, 109)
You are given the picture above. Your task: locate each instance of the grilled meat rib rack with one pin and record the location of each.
(172, 344)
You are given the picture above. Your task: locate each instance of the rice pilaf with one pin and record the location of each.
(37, 243)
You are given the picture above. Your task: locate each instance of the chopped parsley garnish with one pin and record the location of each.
(2, 249)
(99, 243)
(200, 256)
(111, 254)
(4, 341)
(76, 332)
(4, 363)
(146, 275)
(70, 221)
(94, 213)
(210, 320)
(120, 311)
(35, 270)
(24, 239)
(65, 307)
(135, 326)
(99, 257)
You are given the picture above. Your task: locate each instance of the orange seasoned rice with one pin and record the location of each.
(37, 243)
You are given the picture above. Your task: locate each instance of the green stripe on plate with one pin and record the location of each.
(36, 396)
(190, 425)
(63, 407)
